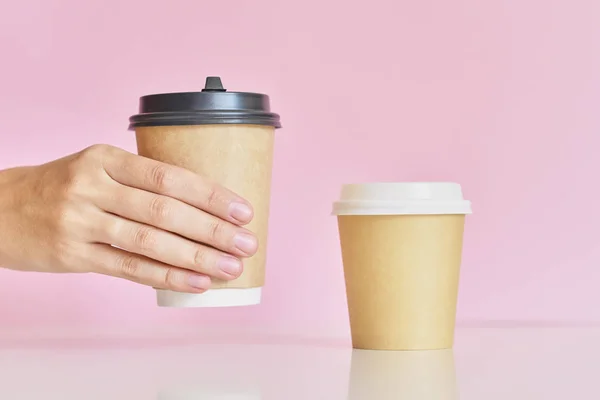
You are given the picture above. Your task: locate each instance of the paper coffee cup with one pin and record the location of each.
(401, 250)
(226, 137)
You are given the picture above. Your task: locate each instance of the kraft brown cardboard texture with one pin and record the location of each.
(402, 275)
(238, 157)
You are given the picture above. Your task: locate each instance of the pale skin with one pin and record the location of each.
(107, 211)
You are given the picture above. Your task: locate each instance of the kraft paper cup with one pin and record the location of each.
(401, 250)
(228, 138)
(238, 157)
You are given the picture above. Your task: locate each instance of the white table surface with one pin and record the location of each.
(489, 363)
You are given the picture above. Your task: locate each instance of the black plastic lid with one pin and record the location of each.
(213, 105)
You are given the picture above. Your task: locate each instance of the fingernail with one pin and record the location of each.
(199, 281)
(246, 243)
(230, 265)
(240, 212)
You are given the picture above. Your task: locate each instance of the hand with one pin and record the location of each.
(108, 211)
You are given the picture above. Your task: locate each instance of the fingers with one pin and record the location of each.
(122, 264)
(169, 248)
(178, 217)
(178, 183)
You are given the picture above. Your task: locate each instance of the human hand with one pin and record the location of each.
(108, 211)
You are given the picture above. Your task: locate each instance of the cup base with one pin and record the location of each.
(400, 348)
(229, 297)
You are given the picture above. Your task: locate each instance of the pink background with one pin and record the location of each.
(501, 96)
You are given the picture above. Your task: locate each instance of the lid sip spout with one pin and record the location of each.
(213, 84)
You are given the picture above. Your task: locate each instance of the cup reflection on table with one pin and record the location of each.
(411, 375)
(208, 393)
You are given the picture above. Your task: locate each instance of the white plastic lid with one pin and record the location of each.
(211, 298)
(408, 198)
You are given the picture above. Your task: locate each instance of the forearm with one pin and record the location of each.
(10, 180)
(4, 205)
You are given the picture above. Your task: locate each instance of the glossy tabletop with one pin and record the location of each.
(487, 363)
